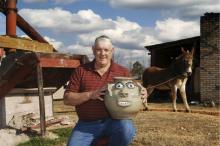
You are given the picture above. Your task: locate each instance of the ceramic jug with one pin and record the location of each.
(123, 100)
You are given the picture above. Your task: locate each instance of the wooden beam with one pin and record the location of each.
(59, 62)
(24, 44)
(47, 90)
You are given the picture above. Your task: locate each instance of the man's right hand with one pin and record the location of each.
(98, 93)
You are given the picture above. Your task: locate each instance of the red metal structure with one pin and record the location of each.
(11, 17)
(26, 69)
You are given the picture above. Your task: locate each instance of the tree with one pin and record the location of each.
(137, 70)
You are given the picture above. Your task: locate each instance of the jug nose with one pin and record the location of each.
(123, 94)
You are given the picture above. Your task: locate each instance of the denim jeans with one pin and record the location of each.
(119, 132)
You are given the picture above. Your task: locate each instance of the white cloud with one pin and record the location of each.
(124, 34)
(182, 8)
(61, 20)
(195, 11)
(128, 58)
(56, 44)
(174, 29)
(79, 49)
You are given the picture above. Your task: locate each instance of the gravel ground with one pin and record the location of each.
(9, 137)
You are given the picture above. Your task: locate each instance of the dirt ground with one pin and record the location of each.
(157, 127)
(161, 127)
(9, 137)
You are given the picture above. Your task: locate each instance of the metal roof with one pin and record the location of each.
(178, 43)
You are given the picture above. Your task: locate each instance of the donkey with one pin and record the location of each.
(171, 78)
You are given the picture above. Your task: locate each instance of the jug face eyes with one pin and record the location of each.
(124, 89)
(130, 85)
(121, 85)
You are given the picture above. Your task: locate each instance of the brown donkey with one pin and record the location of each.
(171, 78)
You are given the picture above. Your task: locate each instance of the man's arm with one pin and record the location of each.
(74, 98)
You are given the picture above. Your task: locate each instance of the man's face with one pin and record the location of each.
(103, 52)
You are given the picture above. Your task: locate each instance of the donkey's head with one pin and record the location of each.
(184, 62)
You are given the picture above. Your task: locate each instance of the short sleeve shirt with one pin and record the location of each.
(85, 78)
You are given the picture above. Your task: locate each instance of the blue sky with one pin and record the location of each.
(72, 25)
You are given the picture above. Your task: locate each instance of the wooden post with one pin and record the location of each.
(41, 100)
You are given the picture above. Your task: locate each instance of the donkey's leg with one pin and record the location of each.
(183, 95)
(173, 93)
(149, 91)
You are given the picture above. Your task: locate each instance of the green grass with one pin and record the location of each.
(38, 141)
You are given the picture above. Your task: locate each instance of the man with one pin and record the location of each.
(85, 91)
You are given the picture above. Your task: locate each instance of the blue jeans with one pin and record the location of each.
(119, 132)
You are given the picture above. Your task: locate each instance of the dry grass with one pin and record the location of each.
(162, 128)
(176, 129)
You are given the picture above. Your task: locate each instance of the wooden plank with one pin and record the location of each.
(59, 62)
(24, 44)
(47, 90)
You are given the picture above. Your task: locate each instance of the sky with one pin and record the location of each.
(71, 26)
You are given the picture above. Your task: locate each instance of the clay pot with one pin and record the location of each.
(123, 100)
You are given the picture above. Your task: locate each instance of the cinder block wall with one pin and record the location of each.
(210, 57)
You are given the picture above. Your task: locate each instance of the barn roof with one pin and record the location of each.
(178, 43)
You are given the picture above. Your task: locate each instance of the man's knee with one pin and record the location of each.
(126, 129)
(129, 130)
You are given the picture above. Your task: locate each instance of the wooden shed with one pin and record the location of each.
(163, 54)
(204, 84)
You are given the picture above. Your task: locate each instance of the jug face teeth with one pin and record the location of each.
(123, 103)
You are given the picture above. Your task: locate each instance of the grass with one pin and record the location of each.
(63, 134)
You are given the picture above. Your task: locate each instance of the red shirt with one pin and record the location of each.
(85, 78)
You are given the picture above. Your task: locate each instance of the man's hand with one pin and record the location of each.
(98, 93)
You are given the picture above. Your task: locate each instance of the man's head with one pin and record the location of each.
(103, 50)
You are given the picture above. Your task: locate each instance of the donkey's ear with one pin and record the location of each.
(182, 49)
(193, 51)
